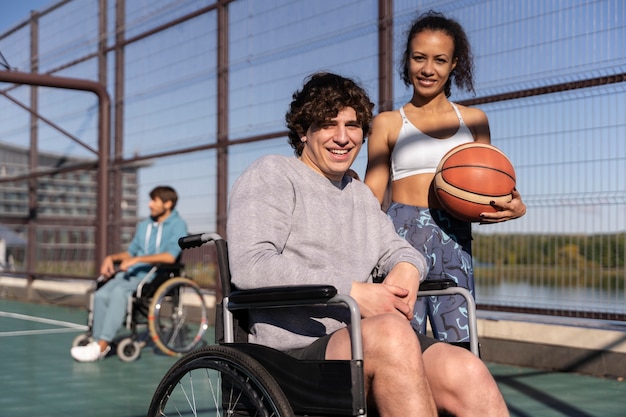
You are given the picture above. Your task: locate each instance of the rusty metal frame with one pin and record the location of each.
(104, 122)
(109, 164)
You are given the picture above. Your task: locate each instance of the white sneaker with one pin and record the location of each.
(89, 353)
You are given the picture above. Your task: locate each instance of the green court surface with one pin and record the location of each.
(40, 378)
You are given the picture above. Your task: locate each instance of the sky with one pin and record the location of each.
(13, 12)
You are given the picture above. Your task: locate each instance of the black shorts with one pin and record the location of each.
(317, 350)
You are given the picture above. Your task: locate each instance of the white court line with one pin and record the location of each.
(36, 332)
(71, 327)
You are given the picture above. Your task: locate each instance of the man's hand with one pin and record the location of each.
(406, 276)
(375, 299)
(397, 293)
(107, 268)
(127, 263)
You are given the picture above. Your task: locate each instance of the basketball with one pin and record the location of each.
(472, 175)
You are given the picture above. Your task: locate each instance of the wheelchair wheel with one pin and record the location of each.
(82, 340)
(222, 381)
(128, 350)
(177, 317)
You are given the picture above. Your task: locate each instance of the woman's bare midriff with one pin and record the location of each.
(415, 190)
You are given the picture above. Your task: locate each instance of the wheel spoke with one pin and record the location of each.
(219, 381)
(173, 326)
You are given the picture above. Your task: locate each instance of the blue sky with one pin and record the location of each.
(13, 12)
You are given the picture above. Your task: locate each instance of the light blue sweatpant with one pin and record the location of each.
(110, 304)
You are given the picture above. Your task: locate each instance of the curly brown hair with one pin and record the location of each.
(322, 97)
(435, 21)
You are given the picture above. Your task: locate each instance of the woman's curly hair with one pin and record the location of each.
(321, 99)
(434, 21)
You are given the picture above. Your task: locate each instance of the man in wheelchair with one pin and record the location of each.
(155, 241)
(304, 221)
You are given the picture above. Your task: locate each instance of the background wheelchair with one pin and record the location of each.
(169, 304)
(236, 378)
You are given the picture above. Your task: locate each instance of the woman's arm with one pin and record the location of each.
(477, 121)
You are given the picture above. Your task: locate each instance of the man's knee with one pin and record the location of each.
(390, 334)
(456, 361)
(389, 324)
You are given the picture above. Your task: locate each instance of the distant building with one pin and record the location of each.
(61, 198)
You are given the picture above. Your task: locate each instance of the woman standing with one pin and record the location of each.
(406, 146)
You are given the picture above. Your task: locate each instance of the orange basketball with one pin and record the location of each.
(472, 175)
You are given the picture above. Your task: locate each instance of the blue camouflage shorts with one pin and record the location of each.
(445, 242)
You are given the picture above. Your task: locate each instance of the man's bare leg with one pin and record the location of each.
(461, 383)
(395, 377)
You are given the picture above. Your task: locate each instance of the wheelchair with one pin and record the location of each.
(169, 304)
(236, 378)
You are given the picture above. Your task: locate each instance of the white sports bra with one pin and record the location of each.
(417, 153)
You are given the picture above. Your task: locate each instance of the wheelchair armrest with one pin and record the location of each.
(437, 285)
(280, 296)
(175, 267)
(172, 269)
(168, 267)
(293, 296)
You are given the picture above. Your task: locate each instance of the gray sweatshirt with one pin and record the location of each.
(289, 225)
